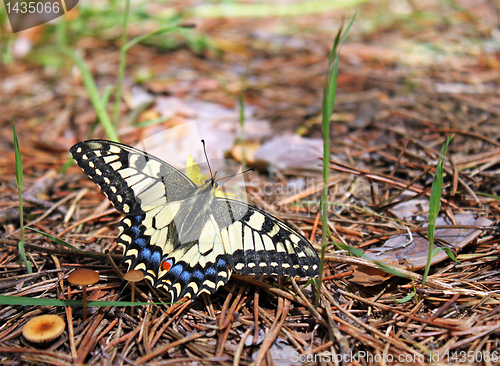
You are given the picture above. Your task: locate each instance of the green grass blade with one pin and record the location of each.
(359, 253)
(64, 244)
(66, 165)
(123, 57)
(121, 67)
(107, 94)
(263, 9)
(434, 206)
(241, 138)
(482, 194)
(19, 182)
(150, 122)
(451, 254)
(95, 98)
(407, 298)
(33, 301)
(167, 29)
(18, 159)
(329, 93)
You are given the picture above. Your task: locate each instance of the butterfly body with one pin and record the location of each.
(183, 237)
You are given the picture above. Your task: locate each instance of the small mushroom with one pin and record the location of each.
(43, 328)
(133, 276)
(83, 277)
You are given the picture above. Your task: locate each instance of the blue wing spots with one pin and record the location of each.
(198, 275)
(145, 254)
(156, 258)
(136, 230)
(210, 271)
(141, 242)
(221, 263)
(176, 270)
(136, 224)
(185, 276)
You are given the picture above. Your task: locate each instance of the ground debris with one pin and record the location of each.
(402, 90)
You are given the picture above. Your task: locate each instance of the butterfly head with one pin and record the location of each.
(209, 184)
(212, 181)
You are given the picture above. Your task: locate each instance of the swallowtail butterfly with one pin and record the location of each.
(184, 237)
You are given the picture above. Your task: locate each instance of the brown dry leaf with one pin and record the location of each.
(366, 276)
(402, 252)
(231, 46)
(250, 149)
(291, 152)
(217, 125)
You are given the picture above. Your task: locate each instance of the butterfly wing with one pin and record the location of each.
(134, 181)
(201, 266)
(240, 237)
(158, 202)
(147, 190)
(256, 242)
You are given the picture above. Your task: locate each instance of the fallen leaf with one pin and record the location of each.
(402, 252)
(291, 152)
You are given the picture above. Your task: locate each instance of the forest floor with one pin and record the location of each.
(410, 76)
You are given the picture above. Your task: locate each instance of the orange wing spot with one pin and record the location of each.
(166, 265)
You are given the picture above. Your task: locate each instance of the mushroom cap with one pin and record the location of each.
(43, 328)
(133, 276)
(83, 276)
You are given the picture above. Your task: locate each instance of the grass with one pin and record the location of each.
(121, 68)
(266, 10)
(329, 93)
(64, 244)
(241, 101)
(19, 182)
(100, 102)
(434, 206)
(84, 25)
(95, 97)
(33, 301)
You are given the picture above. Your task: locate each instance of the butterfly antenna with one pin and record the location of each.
(234, 175)
(206, 157)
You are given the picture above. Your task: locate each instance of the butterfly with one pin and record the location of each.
(184, 237)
